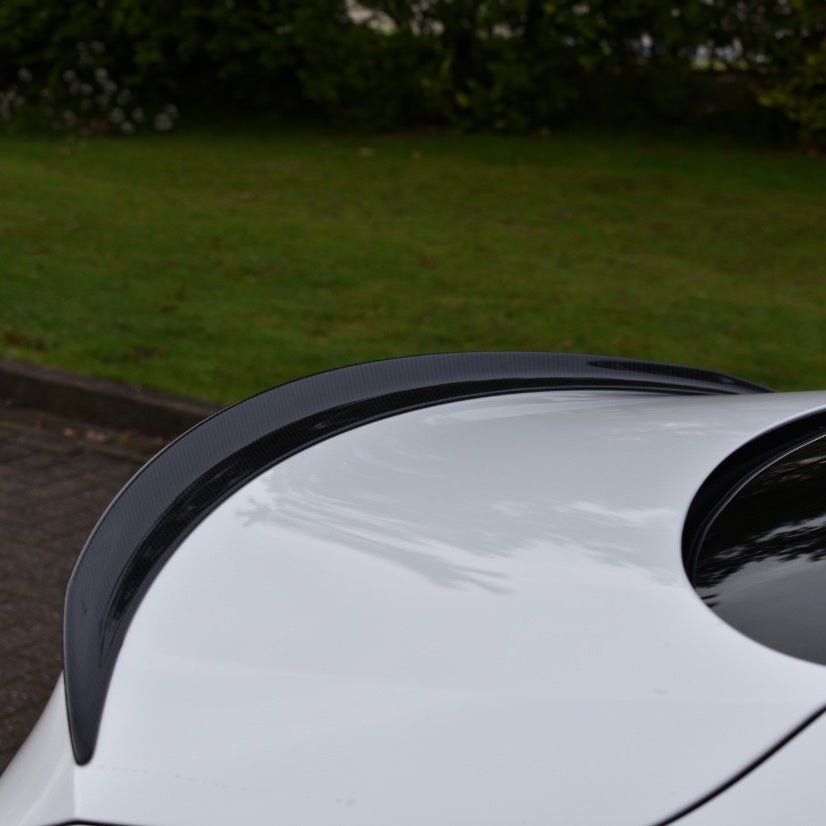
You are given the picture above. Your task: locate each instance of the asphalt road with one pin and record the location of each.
(56, 478)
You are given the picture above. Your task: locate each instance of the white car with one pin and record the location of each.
(480, 589)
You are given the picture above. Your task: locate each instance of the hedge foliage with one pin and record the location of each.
(502, 64)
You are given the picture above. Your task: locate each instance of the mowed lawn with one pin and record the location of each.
(217, 264)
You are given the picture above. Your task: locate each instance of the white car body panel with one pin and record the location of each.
(475, 613)
(788, 788)
(37, 787)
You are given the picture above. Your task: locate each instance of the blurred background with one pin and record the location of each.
(211, 197)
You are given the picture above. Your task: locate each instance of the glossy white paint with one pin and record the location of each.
(37, 787)
(788, 788)
(471, 614)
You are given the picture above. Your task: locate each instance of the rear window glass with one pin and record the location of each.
(760, 562)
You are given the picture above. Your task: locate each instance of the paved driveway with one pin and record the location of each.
(56, 478)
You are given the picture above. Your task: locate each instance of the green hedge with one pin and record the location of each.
(500, 64)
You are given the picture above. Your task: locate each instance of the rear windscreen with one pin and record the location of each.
(759, 561)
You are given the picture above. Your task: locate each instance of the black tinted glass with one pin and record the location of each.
(762, 562)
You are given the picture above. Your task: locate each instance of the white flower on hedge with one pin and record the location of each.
(84, 57)
(117, 115)
(69, 75)
(24, 75)
(124, 97)
(86, 89)
(138, 115)
(101, 75)
(172, 110)
(162, 122)
(127, 128)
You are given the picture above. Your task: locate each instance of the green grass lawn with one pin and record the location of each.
(217, 264)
